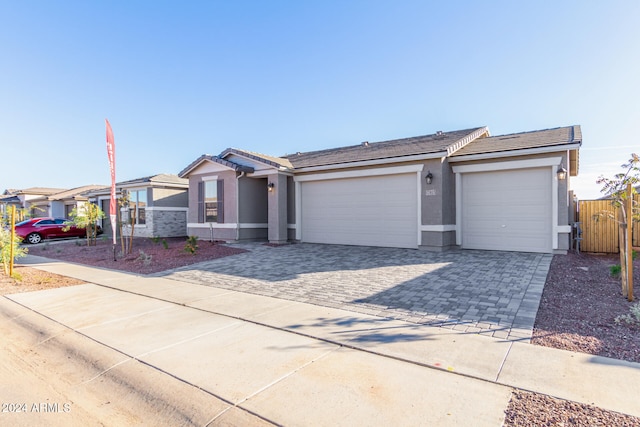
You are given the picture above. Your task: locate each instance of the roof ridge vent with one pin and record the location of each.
(365, 143)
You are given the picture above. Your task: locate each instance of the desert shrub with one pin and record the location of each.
(633, 318)
(191, 245)
(615, 270)
(144, 257)
(5, 248)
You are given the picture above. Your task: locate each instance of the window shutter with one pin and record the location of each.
(201, 202)
(220, 189)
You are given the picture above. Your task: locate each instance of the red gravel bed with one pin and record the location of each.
(579, 305)
(147, 255)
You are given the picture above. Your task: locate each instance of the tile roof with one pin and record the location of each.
(215, 159)
(439, 142)
(74, 192)
(163, 178)
(40, 191)
(521, 141)
(263, 158)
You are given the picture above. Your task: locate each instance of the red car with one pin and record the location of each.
(34, 230)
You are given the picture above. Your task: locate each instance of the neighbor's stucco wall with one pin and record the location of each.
(170, 197)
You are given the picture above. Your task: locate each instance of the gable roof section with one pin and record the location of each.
(163, 178)
(567, 138)
(40, 191)
(439, 144)
(215, 159)
(277, 162)
(547, 138)
(74, 193)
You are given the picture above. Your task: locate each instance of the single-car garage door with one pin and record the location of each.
(507, 210)
(367, 211)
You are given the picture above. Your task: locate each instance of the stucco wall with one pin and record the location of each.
(170, 197)
(253, 200)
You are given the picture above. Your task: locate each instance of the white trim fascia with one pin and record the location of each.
(231, 225)
(515, 164)
(514, 153)
(563, 229)
(359, 173)
(386, 161)
(438, 228)
(267, 172)
(160, 208)
(210, 178)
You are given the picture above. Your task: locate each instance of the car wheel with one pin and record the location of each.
(34, 238)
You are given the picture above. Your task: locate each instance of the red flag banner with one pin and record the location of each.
(111, 152)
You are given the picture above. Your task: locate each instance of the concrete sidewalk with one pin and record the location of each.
(292, 363)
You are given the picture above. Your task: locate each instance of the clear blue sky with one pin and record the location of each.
(180, 79)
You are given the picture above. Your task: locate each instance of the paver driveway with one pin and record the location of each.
(488, 292)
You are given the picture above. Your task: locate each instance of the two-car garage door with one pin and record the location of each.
(367, 211)
(507, 210)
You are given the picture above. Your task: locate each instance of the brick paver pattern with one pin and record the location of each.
(487, 292)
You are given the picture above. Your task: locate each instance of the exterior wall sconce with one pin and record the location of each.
(271, 186)
(429, 177)
(562, 172)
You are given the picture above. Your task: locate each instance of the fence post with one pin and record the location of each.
(629, 248)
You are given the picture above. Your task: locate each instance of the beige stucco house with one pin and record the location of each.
(461, 188)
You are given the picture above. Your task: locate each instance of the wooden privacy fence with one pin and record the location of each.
(601, 235)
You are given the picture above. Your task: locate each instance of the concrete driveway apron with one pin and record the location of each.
(487, 292)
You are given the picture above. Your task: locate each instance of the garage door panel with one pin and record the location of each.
(371, 211)
(507, 210)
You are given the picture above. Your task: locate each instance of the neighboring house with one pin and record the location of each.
(35, 200)
(450, 189)
(7, 199)
(156, 204)
(61, 203)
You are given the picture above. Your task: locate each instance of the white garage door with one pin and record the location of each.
(371, 211)
(507, 210)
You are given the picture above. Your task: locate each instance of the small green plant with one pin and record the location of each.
(631, 319)
(144, 257)
(615, 270)
(17, 276)
(165, 244)
(7, 249)
(634, 255)
(155, 239)
(191, 245)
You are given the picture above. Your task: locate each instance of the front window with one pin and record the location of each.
(211, 201)
(137, 205)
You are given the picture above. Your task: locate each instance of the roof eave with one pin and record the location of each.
(514, 153)
(375, 162)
